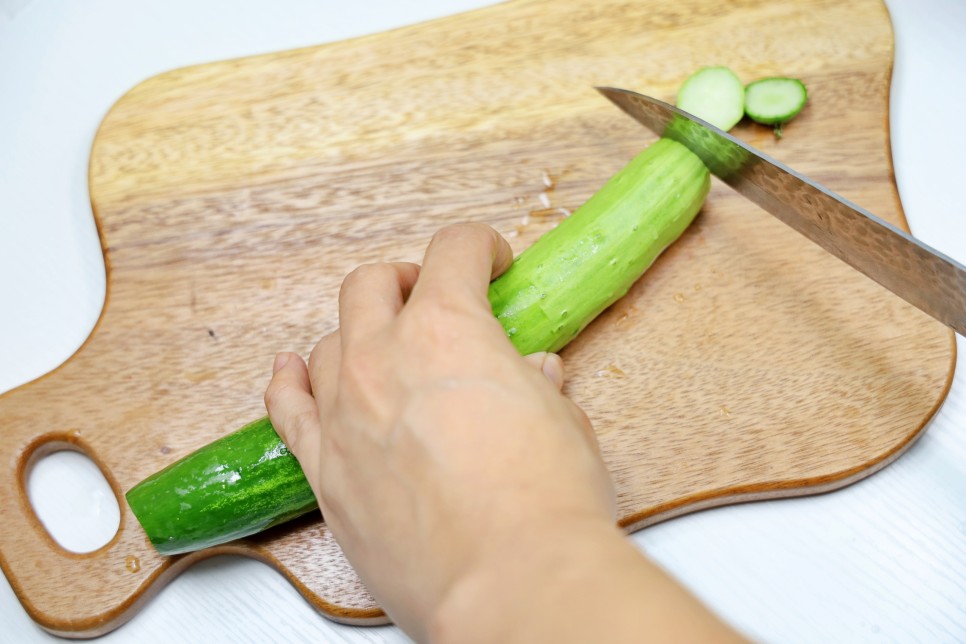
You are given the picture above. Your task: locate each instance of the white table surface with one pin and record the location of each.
(883, 560)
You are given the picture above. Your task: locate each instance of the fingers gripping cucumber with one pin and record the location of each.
(248, 481)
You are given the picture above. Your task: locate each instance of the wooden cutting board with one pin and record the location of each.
(231, 199)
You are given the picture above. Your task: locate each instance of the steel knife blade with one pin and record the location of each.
(924, 277)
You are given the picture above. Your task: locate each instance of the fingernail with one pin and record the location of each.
(281, 360)
(553, 369)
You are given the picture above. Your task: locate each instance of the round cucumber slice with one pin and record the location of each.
(773, 101)
(714, 94)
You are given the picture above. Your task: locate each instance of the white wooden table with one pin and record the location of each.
(883, 560)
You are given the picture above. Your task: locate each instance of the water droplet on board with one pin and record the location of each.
(132, 563)
(725, 412)
(611, 371)
(548, 180)
(679, 297)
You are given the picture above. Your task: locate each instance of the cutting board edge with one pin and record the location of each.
(789, 489)
(108, 621)
(247, 59)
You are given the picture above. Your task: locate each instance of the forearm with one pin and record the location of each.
(580, 583)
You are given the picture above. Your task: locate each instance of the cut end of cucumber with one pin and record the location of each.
(714, 94)
(773, 101)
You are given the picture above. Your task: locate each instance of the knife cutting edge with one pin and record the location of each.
(924, 277)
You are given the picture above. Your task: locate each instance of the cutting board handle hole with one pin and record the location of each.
(72, 499)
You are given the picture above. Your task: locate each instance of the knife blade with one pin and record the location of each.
(921, 275)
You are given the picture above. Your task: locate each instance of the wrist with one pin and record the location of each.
(524, 578)
(584, 583)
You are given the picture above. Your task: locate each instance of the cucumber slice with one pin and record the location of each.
(714, 94)
(773, 101)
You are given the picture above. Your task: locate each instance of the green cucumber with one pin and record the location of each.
(240, 484)
(248, 481)
(775, 100)
(714, 94)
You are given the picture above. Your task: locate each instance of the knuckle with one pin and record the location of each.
(360, 369)
(447, 313)
(438, 302)
(366, 273)
(464, 230)
(439, 326)
(282, 399)
(323, 351)
(298, 427)
(448, 232)
(275, 394)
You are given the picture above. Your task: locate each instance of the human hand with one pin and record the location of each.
(435, 450)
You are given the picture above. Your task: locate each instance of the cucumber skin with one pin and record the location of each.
(238, 485)
(248, 481)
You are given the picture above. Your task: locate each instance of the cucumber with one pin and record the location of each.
(576, 270)
(248, 481)
(773, 101)
(714, 94)
(241, 484)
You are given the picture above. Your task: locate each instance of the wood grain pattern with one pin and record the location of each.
(232, 198)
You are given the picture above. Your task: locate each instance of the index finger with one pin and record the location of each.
(460, 262)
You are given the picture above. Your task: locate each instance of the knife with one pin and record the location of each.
(921, 275)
